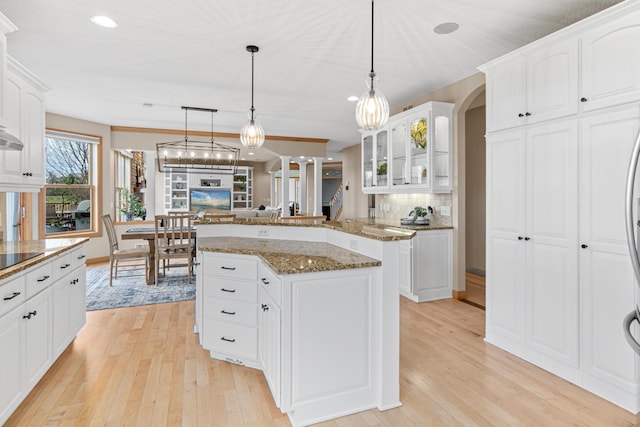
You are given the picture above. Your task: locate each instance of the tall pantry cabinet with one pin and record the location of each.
(562, 116)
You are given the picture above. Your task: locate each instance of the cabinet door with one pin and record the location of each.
(610, 65)
(11, 160)
(505, 227)
(399, 135)
(37, 355)
(61, 291)
(368, 162)
(405, 274)
(432, 265)
(11, 344)
(552, 82)
(552, 241)
(506, 101)
(607, 282)
(33, 134)
(77, 301)
(269, 342)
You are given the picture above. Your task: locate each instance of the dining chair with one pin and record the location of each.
(116, 255)
(174, 242)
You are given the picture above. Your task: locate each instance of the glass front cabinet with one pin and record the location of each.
(412, 153)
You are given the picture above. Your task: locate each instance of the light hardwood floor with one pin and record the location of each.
(475, 289)
(142, 366)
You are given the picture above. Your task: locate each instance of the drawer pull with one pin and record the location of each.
(64, 266)
(231, 313)
(228, 340)
(227, 268)
(43, 278)
(228, 290)
(81, 257)
(265, 281)
(30, 315)
(15, 294)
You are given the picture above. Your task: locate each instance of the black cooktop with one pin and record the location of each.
(7, 260)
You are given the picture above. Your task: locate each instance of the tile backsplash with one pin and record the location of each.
(397, 206)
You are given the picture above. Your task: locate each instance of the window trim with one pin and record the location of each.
(96, 228)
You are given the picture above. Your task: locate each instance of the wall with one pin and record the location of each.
(475, 195)
(354, 200)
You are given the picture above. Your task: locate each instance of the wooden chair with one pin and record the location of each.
(174, 242)
(116, 255)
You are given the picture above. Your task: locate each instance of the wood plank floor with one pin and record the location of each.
(475, 289)
(142, 366)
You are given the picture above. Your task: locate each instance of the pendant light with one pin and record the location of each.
(252, 134)
(372, 109)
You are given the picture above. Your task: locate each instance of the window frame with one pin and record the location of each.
(95, 172)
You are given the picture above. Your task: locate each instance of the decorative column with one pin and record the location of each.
(273, 201)
(303, 186)
(317, 186)
(284, 186)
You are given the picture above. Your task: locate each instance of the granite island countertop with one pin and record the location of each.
(372, 229)
(49, 249)
(290, 256)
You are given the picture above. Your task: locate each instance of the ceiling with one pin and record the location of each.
(313, 55)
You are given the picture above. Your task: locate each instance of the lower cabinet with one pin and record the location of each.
(425, 266)
(269, 351)
(40, 314)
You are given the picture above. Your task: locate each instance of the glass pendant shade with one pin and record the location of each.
(252, 135)
(372, 109)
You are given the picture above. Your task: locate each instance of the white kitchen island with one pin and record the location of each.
(315, 308)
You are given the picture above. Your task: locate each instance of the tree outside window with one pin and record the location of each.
(70, 189)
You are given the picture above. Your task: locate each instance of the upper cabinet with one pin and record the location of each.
(22, 115)
(610, 69)
(412, 153)
(533, 87)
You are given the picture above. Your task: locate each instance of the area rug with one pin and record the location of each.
(132, 291)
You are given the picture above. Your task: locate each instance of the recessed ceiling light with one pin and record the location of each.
(147, 105)
(104, 21)
(353, 98)
(446, 28)
(251, 153)
(242, 158)
(329, 158)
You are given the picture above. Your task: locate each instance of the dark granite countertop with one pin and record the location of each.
(49, 249)
(290, 256)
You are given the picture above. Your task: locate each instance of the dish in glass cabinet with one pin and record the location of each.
(419, 133)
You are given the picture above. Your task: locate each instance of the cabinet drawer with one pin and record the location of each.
(270, 283)
(61, 265)
(237, 290)
(12, 294)
(78, 257)
(232, 267)
(39, 278)
(234, 340)
(225, 310)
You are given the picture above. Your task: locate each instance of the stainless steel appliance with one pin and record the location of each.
(631, 240)
(8, 260)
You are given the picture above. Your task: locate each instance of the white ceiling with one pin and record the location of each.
(313, 55)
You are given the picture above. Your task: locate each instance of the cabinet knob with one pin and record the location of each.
(583, 246)
(520, 237)
(583, 99)
(527, 114)
(265, 281)
(527, 238)
(520, 115)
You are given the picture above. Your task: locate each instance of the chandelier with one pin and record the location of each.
(252, 134)
(197, 156)
(372, 109)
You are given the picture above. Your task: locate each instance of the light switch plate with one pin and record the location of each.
(445, 210)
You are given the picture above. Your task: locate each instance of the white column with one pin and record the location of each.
(317, 186)
(284, 186)
(303, 186)
(273, 201)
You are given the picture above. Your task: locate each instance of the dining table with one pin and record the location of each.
(148, 234)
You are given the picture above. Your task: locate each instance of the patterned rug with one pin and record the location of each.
(132, 291)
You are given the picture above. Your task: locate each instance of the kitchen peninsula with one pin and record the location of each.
(315, 307)
(41, 311)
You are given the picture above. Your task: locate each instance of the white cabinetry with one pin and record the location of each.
(24, 116)
(6, 27)
(243, 188)
(610, 71)
(559, 277)
(30, 306)
(426, 267)
(230, 320)
(533, 87)
(269, 324)
(412, 153)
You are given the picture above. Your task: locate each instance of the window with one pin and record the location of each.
(130, 198)
(70, 196)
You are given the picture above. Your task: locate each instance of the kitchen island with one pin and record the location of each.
(42, 308)
(316, 308)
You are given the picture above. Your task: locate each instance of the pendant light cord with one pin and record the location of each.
(372, 72)
(252, 109)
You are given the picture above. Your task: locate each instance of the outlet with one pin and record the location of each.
(353, 244)
(445, 210)
(263, 232)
